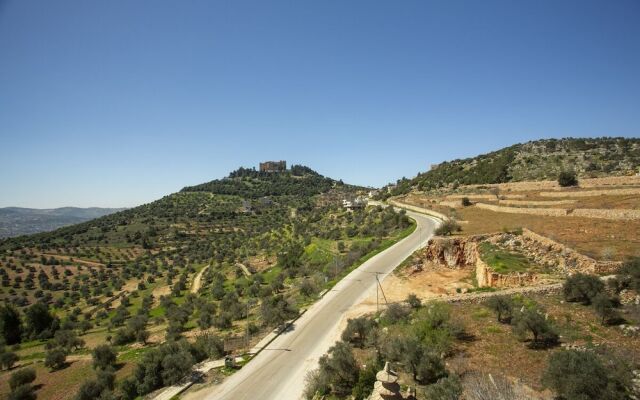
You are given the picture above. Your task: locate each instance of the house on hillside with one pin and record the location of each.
(351, 204)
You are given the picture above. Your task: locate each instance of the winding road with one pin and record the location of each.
(279, 371)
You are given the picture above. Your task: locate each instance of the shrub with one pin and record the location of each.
(567, 178)
(22, 377)
(582, 288)
(395, 313)
(577, 375)
(413, 301)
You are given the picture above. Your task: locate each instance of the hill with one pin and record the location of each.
(232, 257)
(533, 161)
(16, 221)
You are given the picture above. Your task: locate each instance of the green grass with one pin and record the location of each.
(503, 262)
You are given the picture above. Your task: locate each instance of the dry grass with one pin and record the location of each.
(592, 237)
(495, 343)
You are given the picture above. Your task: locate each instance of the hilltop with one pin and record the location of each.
(16, 221)
(533, 161)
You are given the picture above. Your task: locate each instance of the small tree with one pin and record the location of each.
(448, 388)
(10, 324)
(8, 359)
(340, 367)
(55, 359)
(576, 375)
(582, 288)
(22, 377)
(604, 307)
(358, 329)
(567, 178)
(531, 320)
(104, 357)
(447, 227)
(502, 306)
(22, 392)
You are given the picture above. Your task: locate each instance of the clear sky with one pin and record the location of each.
(119, 102)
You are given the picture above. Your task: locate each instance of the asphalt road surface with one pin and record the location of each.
(279, 371)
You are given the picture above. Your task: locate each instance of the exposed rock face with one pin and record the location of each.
(453, 252)
(462, 252)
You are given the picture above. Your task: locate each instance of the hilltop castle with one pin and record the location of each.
(273, 166)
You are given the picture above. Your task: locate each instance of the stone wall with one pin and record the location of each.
(592, 193)
(536, 203)
(614, 214)
(565, 260)
(417, 209)
(550, 212)
(619, 214)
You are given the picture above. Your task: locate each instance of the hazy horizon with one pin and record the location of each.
(116, 104)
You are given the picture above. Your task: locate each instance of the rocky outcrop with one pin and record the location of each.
(453, 252)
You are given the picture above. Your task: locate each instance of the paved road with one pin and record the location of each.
(278, 372)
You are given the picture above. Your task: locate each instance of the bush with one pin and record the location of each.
(395, 313)
(22, 377)
(567, 178)
(413, 301)
(582, 288)
(577, 375)
(447, 227)
(55, 359)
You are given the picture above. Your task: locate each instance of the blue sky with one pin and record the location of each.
(119, 102)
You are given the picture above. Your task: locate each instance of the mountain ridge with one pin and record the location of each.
(535, 160)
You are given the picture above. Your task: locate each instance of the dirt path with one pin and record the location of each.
(197, 281)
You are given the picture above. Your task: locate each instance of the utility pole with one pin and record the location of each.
(378, 285)
(247, 328)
